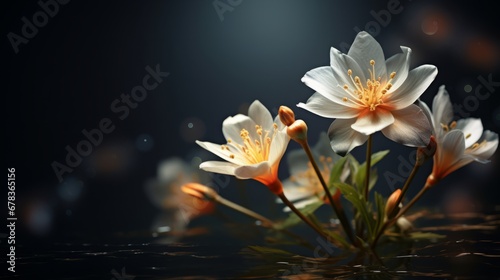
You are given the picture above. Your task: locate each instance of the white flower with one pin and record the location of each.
(255, 145)
(458, 142)
(366, 93)
(303, 187)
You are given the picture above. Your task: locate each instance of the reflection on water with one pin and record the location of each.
(470, 251)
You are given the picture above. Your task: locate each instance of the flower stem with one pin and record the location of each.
(301, 216)
(335, 203)
(368, 165)
(412, 201)
(265, 221)
(414, 171)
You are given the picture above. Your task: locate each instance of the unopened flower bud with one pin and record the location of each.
(424, 153)
(287, 116)
(392, 202)
(199, 191)
(297, 131)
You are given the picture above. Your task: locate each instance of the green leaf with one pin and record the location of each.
(373, 178)
(380, 203)
(336, 172)
(357, 200)
(293, 219)
(361, 172)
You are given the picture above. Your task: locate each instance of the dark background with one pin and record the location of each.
(65, 78)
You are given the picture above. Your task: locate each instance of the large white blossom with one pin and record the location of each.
(254, 148)
(366, 93)
(458, 142)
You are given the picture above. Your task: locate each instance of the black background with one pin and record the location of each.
(66, 77)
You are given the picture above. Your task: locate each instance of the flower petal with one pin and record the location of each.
(295, 191)
(278, 147)
(485, 149)
(297, 161)
(399, 63)
(417, 82)
(472, 129)
(451, 154)
(323, 148)
(260, 115)
(252, 171)
(427, 113)
(340, 63)
(221, 167)
(322, 80)
(217, 150)
(372, 121)
(366, 48)
(343, 138)
(232, 126)
(442, 109)
(411, 127)
(324, 107)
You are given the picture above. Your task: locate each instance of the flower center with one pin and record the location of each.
(252, 151)
(369, 94)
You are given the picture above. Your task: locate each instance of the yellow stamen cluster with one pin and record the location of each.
(368, 95)
(251, 151)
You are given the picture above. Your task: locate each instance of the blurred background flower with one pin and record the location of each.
(303, 186)
(177, 209)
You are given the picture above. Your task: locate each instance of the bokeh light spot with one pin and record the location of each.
(40, 218)
(192, 129)
(144, 142)
(467, 88)
(70, 189)
(430, 26)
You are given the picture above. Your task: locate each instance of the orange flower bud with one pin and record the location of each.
(287, 116)
(297, 131)
(392, 201)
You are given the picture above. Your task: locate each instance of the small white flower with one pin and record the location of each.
(303, 187)
(255, 146)
(366, 93)
(458, 142)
